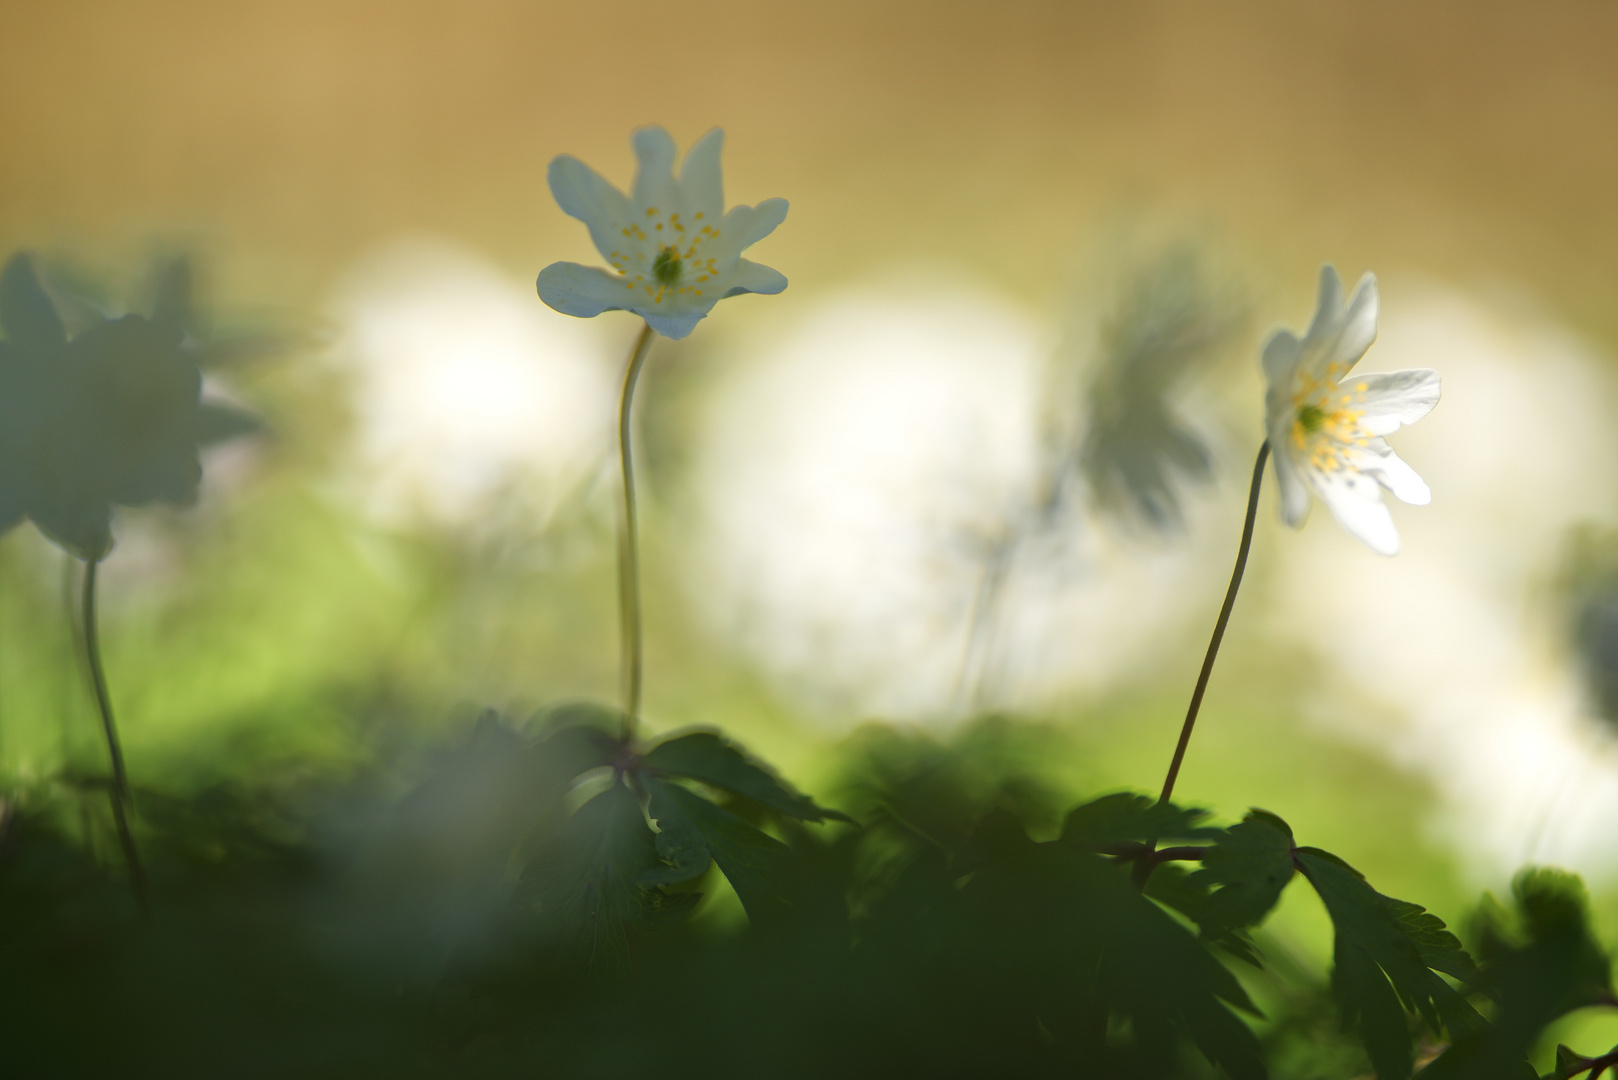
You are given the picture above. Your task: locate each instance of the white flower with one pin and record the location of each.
(1326, 432)
(674, 251)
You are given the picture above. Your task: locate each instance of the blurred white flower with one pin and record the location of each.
(1326, 433)
(470, 400)
(859, 478)
(674, 250)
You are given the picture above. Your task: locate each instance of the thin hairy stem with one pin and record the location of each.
(1219, 627)
(109, 728)
(629, 545)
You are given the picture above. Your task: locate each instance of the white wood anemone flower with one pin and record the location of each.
(674, 250)
(1326, 430)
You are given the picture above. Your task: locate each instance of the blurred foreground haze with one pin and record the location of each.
(427, 527)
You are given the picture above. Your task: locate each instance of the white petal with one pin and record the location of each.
(582, 193)
(1280, 366)
(1339, 335)
(1388, 469)
(1402, 397)
(752, 277)
(1294, 493)
(583, 291)
(1359, 323)
(675, 322)
(1328, 304)
(654, 180)
(745, 226)
(700, 176)
(1281, 360)
(1355, 500)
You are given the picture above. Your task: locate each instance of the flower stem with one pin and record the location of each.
(629, 545)
(109, 728)
(1219, 626)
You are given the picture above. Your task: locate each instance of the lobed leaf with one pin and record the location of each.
(707, 757)
(1126, 816)
(1176, 889)
(585, 881)
(1387, 957)
(1251, 865)
(757, 865)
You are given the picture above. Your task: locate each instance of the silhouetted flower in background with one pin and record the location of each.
(112, 416)
(1326, 432)
(1590, 588)
(674, 250)
(1136, 449)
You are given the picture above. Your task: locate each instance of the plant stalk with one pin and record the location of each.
(109, 728)
(630, 634)
(1219, 626)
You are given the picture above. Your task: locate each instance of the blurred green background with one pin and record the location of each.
(364, 183)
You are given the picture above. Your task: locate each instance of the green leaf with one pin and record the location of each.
(1177, 889)
(1387, 957)
(707, 757)
(585, 881)
(1568, 1063)
(1252, 864)
(578, 737)
(679, 842)
(1126, 816)
(757, 865)
(1076, 943)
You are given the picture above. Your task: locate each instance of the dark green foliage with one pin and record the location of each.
(1539, 962)
(604, 870)
(1126, 817)
(1251, 865)
(1387, 957)
(473, 927)
(1109, 955)
(707, 757)
(585, 881)
(693, 829)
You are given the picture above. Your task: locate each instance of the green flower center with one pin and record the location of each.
(666, 267)
(1311, 418)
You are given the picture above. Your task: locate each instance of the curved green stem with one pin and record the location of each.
(629, 545)
(1219, 626)
(109, 728)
